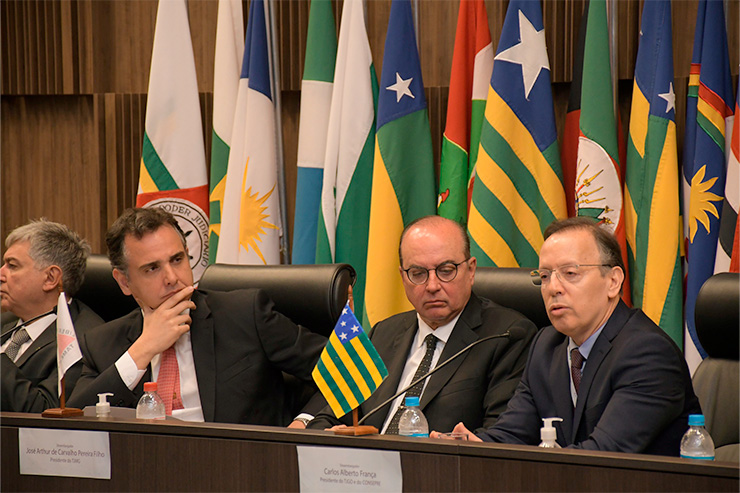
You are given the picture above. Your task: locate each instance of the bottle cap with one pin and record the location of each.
(150, 387)
(548, 433)
(412, 401)
(103, 406)
(696, 420)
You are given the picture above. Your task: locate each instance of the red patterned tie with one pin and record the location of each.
(168, 381)
(576, 362)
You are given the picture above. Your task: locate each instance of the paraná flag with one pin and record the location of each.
(226, 70)
(403, 174)
(598, 186)
(344, 217)
(518, 187)
(316, 90)
(472, 64)
(68, 349)
(708, 108)
(173, 160)
(651, 184)
(349, 369)
(251, 223)
(727, 250)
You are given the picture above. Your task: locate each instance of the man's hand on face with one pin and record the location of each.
(162, 327)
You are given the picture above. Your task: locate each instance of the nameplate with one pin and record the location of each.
(77, 454)
(333, 469)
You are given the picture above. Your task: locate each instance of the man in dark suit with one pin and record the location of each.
(40, 257)
(617, 380)
(438, 274)
(215, 356)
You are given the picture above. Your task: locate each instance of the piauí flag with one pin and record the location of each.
(651, 194)
(349, 369)
(344, 216)
(708, 108)
(250, 225)
(403, 174)
(316, 91)
(518, 187)
(727, 255)
(173, 160)
(226, 70)
(68, 349)
(572, 132)
(598, 186)
(472, 64)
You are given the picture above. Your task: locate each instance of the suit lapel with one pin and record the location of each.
(399, 349)
(47, 337)
(560, 375)
(600, 349)
(204, 354)
(462, 334)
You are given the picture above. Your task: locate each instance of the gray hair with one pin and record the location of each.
(54, 244)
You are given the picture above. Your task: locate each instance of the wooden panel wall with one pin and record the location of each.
(75, 73)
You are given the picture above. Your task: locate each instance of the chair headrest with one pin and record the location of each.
(100, 290)
(310, 295)
(512, 288)
(717, 315)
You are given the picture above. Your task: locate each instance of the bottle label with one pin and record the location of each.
(421, 435)
(710, 457)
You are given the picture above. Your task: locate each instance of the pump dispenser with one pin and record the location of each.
(548, 433)
(102, 408)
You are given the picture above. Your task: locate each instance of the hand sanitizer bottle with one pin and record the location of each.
(548, 433)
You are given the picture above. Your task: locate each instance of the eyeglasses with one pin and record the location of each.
(445, 272)
(567, 273)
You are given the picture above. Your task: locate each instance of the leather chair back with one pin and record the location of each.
(717, 379)
(512, 288)
(101, 292)
(310, 295)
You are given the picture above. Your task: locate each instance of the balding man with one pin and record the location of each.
(438, 274)
(40, 257)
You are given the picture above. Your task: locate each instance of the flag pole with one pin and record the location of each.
(61, 411)
(355, 429)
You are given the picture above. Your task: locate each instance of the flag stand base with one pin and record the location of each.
(357, 431)
(64, 412)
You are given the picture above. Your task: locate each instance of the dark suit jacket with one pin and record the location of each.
(473, 389)
(240, 345)
(30, 385)
(635, 394)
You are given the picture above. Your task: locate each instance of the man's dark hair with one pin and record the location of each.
(609, 249)
(136, 222)
(432, 218)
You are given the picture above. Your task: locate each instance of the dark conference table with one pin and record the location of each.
(224, 457)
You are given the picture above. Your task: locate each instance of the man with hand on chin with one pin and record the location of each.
(216, 356)
(617, 380)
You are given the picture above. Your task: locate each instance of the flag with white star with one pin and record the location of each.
(403, 187)
(651, 180)
(349, 369)
(518, 187)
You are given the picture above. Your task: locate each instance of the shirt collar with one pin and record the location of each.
(34, 329)
(442, 333)
(588, 344)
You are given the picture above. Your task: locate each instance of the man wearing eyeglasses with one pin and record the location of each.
(615, 378)
(438, 274)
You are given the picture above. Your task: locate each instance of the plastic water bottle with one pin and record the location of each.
(412, 422)
(150, 406)
(696, 442)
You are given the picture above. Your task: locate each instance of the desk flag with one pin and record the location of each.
(68, 349)
(349, 369)
(173, 158)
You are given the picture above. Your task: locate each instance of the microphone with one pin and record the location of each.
(513, 334)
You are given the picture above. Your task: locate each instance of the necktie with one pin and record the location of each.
(16, 341)
(576, 362)
(168, 381)
(415, 391)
